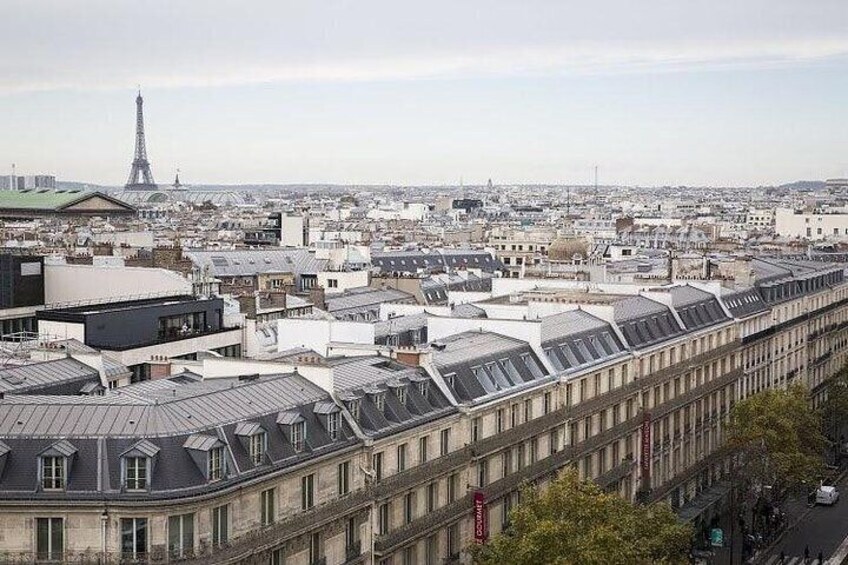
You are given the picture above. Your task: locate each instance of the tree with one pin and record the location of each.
(574, 522)
(778, 439)
(835, 409)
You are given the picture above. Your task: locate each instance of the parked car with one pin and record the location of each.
(827, 495)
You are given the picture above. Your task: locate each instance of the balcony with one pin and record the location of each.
(615, 474)
(160, 339)
(353, 553)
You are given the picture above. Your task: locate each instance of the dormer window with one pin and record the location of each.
(254, 440)
(333, 425)
(135, 476)
(256, 447)
(353, 408)
(450, 379)
(380, 401)
(400, 392)
(298, 436)
(423, 388)
(330, 417)
(216, 463)
(208, 454)
(53, 473)
(137, 465)
(54, 463)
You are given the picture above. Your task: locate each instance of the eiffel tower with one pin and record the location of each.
(141, 177)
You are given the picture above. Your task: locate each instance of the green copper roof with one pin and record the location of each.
(41, 199)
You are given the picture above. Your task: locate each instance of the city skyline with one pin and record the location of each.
(382, 94)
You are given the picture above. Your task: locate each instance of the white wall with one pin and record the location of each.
(789, 224)
(72, 283)
(292, 231)
(345, 280)
(316, 334)
(62, 330)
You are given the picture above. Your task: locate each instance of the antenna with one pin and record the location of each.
(596, 184)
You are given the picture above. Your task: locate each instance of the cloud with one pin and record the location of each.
(60, 44)
(189, 70)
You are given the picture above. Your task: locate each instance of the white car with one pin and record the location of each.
(827, 495)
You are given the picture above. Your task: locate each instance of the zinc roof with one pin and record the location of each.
(153, 412)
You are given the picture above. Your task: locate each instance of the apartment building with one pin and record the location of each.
(516, 247)
(411, 454)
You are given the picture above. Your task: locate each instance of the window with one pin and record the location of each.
(377, 465)
(220, 525)
(267, 503)
(332, 283)
(423, 388)
(181, 535)
(444, 441)
(513, 415)
(256, 447)
(432, 550)
(307, 492)
(423, 444)
(547, 403)
(506, 508)
(135, 473)
(553, 441)
(353, 408)
(333, 421)
(216, 463)
(133, 538)
(50, 539)
(482, 473)
(449, 379)
(453, 487)
(383, 519)
(53, 473)
(315, 549)
(506, 463)
(351, 538)
(475, 429)
(344, 478)
(528, 409)
(432, 496)
(408, 507)
(453, 540)
(400, 392)
(409, 555)
(499, 419)
(401, 457)
(380, 401)
(298, 433)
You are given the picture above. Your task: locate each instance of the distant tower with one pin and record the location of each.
(177, 184)
(141, 177)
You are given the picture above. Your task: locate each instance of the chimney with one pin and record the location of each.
(316, 295)
(247, 305)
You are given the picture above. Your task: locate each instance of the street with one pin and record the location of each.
(821, 530)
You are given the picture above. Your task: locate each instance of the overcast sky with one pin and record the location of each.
(654, 92)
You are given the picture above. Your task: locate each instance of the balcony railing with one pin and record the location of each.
(158, 340)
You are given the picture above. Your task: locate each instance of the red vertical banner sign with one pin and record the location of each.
(481, 529)
(645, 459)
